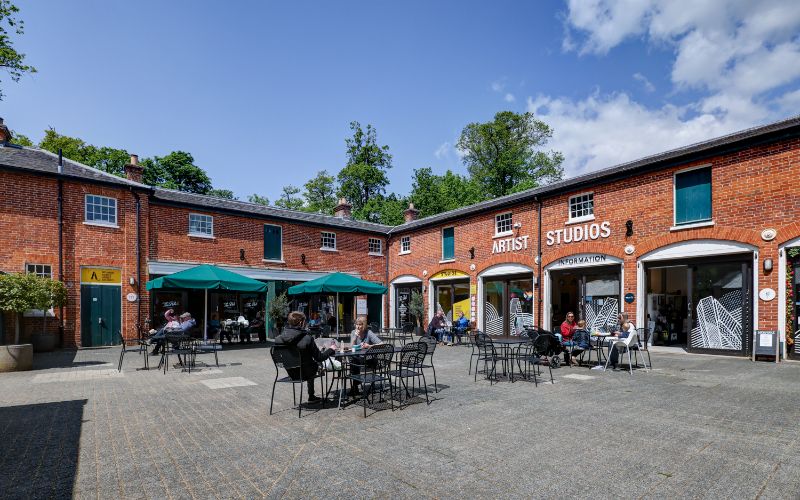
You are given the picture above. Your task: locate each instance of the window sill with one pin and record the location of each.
(375, 254)
(446, 261)
(404, 253)
(100, 224)
(503, 235)
(271, 261)
(579, 220)
(693, 225)
(204, 236)
(329, 249)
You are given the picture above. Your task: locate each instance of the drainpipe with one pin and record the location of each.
(138, 266)
(539, 270)
(386, 321)
(60, 244)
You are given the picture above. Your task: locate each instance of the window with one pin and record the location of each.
(503, 224)
(273, 242)
(101, 210)
(448, 243)
(581, 207)
(375, 246)
(405, 244)
(693, 196)
(328, 241)
(201, 225)
(42, 270)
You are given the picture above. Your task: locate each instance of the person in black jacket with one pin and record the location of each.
(295, 334)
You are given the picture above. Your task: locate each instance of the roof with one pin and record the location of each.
(44, 162)
(665, 159)
(243, 207)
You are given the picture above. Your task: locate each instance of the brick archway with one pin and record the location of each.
(747, 236)
(788, 233)
(523, 260)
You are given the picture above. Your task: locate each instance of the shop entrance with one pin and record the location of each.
(452, 297)
(508, 305)
(701, 304)
(592, 293)
(796, 323)
(100, 315)
(402, 311)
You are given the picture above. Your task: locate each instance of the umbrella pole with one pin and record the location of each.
(205, 317)
(337, 313)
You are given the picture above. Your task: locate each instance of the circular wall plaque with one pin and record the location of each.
(766, 294)
(131, 297)
(769, 234)
(472, 267)
(425, 272)
(629, 249)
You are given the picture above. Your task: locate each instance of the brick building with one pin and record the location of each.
(698, 244)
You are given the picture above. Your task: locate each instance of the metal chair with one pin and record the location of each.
(622, 346)
(488, 354)
(409, 366)
(475, 352)
(179, 345)
(133, 345)
(373, 370)
(291, 360)
(407, 334)
(643, 346)
(431, 348)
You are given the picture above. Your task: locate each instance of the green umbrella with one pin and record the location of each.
(338, 283)
(207, 277)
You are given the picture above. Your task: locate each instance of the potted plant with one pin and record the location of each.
(416, 307)
(20, 293)
(278, 310)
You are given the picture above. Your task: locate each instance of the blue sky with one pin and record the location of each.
(261, 93)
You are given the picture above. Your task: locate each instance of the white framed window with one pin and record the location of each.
(405, 244)
(43, 270)
(375, 246)
(328, 241)
(101, 210)
(503, 224)
(581, 207)
(201, 225)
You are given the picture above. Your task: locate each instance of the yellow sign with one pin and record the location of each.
(459, 307)
(100, 276)
(473, 289)
(449, 273)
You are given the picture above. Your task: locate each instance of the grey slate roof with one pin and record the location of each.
(789, 125)
(222, 204)
(42, 161)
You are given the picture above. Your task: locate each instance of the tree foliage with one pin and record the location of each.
(222, 193)
(320, 193)
(176, 171)
(504, 155)
(383, 210)
(364, 176)
(21, 140)
(23, 291)
(433, 194)
(289, 198)
(11, 61)
(111, 160)
(261, 200)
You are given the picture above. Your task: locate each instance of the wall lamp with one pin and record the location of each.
(302, 258)
(767, 265)
(472, 253)
(132, 280)
(241, 254)
(629, 228)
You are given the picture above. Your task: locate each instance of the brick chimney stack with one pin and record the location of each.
(134, 171)
(343, 209)
(410, 213)
(5, 134)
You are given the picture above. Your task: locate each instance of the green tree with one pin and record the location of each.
(24, 291)
(11, 61)
(384, 210)
(261, 200)
(223, 193)
(320, 193)
(176, 171)
(289, 198)
(111, 160)
(21, 140)
(504, 154)
(364, 176)
(433, 194)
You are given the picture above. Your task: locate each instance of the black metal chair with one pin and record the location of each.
(409, 366)
(475, 352)
(373, 370)
(488, 354)
(134, 345)
(181, 346)
(291, 360)
(431, 348)
(643, 346)
(407, 333)
(534, 354)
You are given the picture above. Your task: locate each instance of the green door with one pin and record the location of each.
(100, 315)
(374, 309)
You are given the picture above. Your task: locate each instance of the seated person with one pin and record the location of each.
(257, 325)
(461, 325)
(314, 321)
(158, 338)
(438, 326)
(581, 341)
(626, 327)
(294, 334)
(365, 338)
(244, 329)
(568, 328)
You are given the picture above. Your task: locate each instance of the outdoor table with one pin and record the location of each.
(345, 356)
(506, 343)
(599, 340)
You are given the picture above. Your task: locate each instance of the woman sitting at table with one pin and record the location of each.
(295, 334)
(365, 338)
(568, 328)
(625, 328)
(581, 341)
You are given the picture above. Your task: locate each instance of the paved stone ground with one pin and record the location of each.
(695, 427)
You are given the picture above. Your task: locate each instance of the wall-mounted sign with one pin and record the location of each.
(579, 233)
(629, 249)
(510, 244)
(629, 297)
(769, 234)
(581, 260)
(449, 273)
(361, 306)
(131, 297)
(766, 294)
(100, 276)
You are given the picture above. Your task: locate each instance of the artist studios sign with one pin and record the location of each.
(579, 232)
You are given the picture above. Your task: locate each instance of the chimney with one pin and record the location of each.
(343, 209)
(133, 171)
(410, 213)
(5, 134)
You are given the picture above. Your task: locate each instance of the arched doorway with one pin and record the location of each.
(505, 297)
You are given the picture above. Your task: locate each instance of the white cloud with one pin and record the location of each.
(443, 151)
(648, 85)
(509, 97)
(498, 85)
(739, 61)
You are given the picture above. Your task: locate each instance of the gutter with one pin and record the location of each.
(138, 323)
(538, 260)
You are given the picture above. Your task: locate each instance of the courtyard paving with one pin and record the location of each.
(694, 427)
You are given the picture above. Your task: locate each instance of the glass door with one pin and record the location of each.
(508, 306)
(452, 298)
(402, 311)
